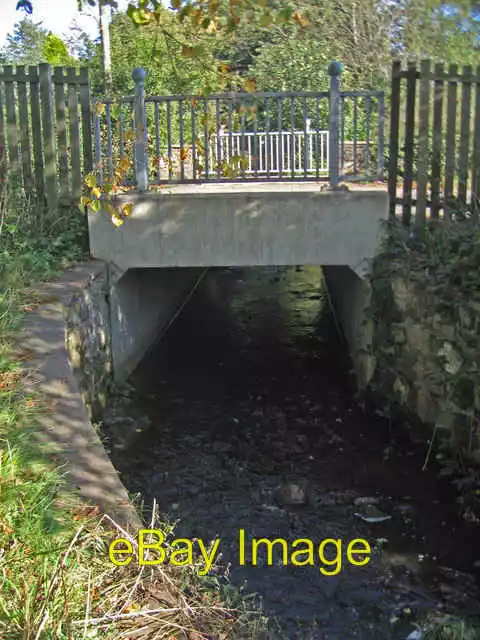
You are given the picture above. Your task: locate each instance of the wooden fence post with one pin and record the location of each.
(409, 143)
(450, 138)
(37, 133)
(437, 141)
(3, 144)
(24, 127)
(11, 111)
(475, 191)
(74, 130)
(46, 97)
(467, 77)
(423, 146)
(394, 133)
(85, 104)
(59, 80)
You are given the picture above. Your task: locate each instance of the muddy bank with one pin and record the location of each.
(249, 392)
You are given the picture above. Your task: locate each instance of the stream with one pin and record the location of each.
(253, 424)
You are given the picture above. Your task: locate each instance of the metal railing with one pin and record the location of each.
(267, 152)
(328, 135)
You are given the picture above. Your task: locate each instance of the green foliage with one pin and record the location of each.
(31, 44)
(55, 51)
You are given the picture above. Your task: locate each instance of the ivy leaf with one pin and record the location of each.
(95, 206)
(117, 220)
(127, 209)
(91, 180)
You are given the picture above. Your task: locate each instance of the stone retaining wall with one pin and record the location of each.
(87, 320)
(422, 360)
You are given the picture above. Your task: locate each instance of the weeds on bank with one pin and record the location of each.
(56, 579)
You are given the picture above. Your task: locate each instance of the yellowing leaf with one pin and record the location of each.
(84, 201)
(250, 85)
(96, 193)
(176, 4)
(90, 180)
(100, 108)
(127, 209)
(123, 164)
(300, 19)
(117, 220)
(95, 206)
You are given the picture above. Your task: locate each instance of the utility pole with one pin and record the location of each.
(105, 12)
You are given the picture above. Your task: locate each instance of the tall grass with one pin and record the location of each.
(56, 579)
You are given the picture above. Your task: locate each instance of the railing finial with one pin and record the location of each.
(335, 68)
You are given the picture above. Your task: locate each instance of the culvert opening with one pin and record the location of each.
(249, 430)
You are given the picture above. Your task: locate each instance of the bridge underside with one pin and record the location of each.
(197, 227)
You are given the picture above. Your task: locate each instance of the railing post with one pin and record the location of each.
(334, 71)
(141, 159)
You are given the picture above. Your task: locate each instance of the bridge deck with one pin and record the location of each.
(260, 187)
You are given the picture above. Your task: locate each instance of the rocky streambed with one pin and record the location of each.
(247, 420)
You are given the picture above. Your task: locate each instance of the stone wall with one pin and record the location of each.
(424, 359)
(87, 322)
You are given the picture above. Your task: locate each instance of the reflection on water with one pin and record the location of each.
(248, 392)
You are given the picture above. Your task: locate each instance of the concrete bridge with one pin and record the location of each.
(158, 255)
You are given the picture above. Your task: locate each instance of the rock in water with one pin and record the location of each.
(292, 493)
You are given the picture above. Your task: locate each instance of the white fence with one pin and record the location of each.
(273, 152)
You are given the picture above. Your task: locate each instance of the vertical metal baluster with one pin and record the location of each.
(169, 140)
(134, 153)
(109, 140)
(381, 128)
(280, 139)
(367, 150)
(342, 138)
(242, 147)
(292, 138)
(120, 133)
(98, 148)
(255, 143)
(267, 137)
(317, 127)
(157, 141)
(219, 142)
(305, 137)
(355, 129)
(205, 136)
(182, 142)
(230, 133)
(194, 142)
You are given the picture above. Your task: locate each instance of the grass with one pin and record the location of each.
(56, 579)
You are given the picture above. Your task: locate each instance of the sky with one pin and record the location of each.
(56, 16)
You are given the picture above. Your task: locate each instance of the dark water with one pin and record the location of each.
(249, 391)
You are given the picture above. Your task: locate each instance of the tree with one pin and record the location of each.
(25, 44)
